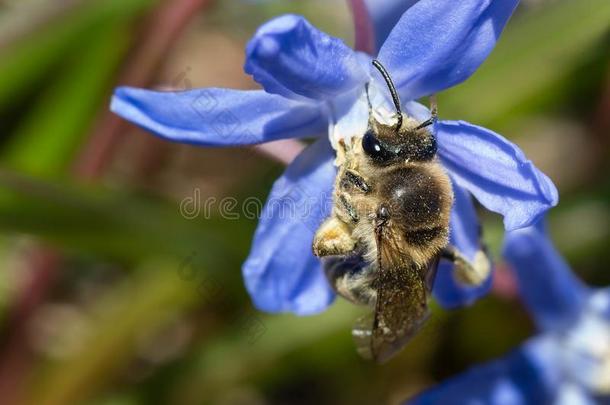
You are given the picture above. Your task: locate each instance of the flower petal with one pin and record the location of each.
(496, 172)
(465, 235)
(350, 117)
(527, 375)
(281, 273)
(290, 57)
(218, 117)
(553, 294)
(574, 394)
(416, 110)
(599, 302)
(440, 43)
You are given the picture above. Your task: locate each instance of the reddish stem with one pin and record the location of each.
(44, 263)
(163, 28)
(284, 151)
(601, 119)
(363, 27)
(505, 283)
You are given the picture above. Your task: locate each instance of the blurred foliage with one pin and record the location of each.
(55, 63)
(535, 65)
(148, 307)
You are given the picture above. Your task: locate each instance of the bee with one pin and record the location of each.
(389, 228)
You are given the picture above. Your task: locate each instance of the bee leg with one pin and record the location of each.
(345, 210)
(333, 238)
(368, 99)
(467, 272)
(351, 278)
(352, 179)
(433, 113)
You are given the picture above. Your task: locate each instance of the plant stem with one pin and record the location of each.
(363, 28)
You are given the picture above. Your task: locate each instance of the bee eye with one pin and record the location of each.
(375, 149)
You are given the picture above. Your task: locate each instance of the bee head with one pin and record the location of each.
(408, 139)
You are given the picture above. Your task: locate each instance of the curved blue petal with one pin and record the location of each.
(496, 172)
(440, 43)
(290, 57)
(281, 273)
(552, 293)
(218, 117)
(527, 375)
(465, 235)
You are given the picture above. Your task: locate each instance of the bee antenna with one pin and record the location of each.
(368, 98)
(393, 91)
(434, 114)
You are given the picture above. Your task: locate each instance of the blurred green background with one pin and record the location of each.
(108, 295)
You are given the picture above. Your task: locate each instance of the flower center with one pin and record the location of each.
(350, 112)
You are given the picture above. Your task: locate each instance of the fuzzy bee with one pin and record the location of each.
(389, 228)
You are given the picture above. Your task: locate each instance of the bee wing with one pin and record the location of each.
(402, 297)
(431, 274)
(362, 333)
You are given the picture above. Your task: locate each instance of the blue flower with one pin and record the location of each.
(568, 362)
(314, 85)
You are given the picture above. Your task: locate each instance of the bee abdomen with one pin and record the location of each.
(426, 236)
(415, 197)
